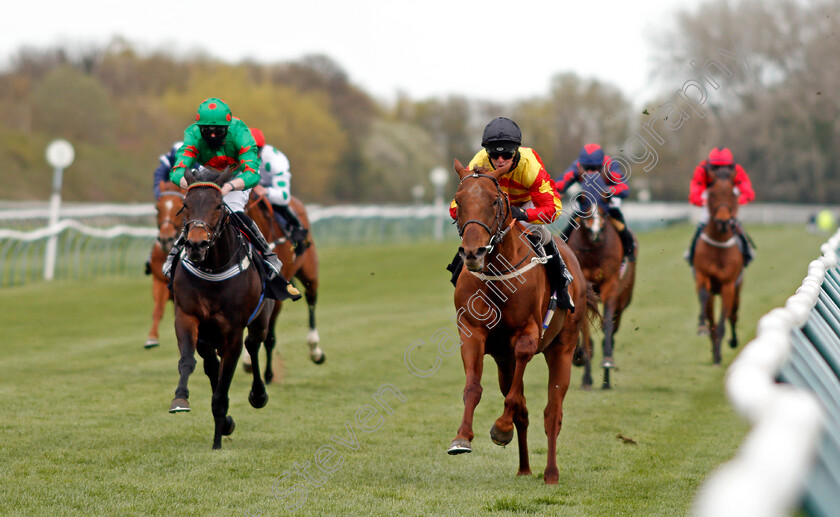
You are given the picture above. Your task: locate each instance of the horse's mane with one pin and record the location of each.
(206, 173)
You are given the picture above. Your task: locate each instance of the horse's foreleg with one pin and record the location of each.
(186, 329)
(211, 362)
(704, 297)
(257, 331)
(160, 295)
(308, 275)
(559, 377)
(525, 346)
(270, 342)
(733, 315)
(472, 355)
(608, 327)
(220, 401)
(727, 296)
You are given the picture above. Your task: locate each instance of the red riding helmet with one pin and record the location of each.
(721, 157)
(259, 138)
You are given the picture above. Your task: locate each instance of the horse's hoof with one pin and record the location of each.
(523, 472)
(702, 330)
(733, 343)
(179, 405)
(318, 356)
(459, 446)
(228, 428)
(247, 368)
(258, 401)
(269, 377)
(579, 357)
(151, 343)
(500, 437)
(606, 387)
(586, 387)
(607, 362)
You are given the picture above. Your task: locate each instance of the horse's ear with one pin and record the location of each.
(189, 176)
(224, 176)
(459, 168)
(498, 173)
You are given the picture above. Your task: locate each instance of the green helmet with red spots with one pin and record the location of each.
(213, 112)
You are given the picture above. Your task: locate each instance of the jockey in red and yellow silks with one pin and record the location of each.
(526, 182)
(532, 196)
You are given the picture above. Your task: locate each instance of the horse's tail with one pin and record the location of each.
(591, 317)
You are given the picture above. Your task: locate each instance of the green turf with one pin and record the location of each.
(85, 428)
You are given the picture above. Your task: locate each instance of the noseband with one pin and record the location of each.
(497, 235)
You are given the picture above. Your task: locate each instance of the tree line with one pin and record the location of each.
(754, 76)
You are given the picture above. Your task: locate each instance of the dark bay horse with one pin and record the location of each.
(304, 267)
(169, 221)
(597, 246)
(218, 293)
(719, 263)
(501, 298)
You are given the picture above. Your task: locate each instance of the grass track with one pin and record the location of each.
(85, 428)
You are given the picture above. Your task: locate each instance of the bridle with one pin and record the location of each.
(212, 232)
(502, 213)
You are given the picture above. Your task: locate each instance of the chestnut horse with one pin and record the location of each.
(502, 302)
(218, 293)
(719, 263)
(169, 221)
(304, 267)
(598, 249)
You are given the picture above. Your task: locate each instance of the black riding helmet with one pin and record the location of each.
(501, 134)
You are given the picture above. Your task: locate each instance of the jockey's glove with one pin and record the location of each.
(518, 213)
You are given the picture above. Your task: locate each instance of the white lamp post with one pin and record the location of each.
(60, 155)
(438, 178)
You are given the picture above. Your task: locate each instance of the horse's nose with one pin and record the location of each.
(471, 254)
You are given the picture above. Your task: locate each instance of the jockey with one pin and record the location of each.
(703, 177)
(531, 193)
(162, 172)
(164, 169)
(590, 160)
(219, 140)
(275, 185)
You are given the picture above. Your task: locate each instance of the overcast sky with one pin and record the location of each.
(493, 50)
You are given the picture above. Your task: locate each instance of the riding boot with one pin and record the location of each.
(559, 277)
(455, 268)
(617, 220)
(273, 264)
(689, 253)
(628, 244)
(296, 231)
(746, 249)
(177, 247)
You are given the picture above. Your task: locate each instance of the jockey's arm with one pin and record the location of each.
(744, 186)
(698, 186)
(568, 179)
(547, 204)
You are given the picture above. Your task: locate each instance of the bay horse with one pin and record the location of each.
(304, 267)
(218, 293)
(719, 262)
(505, 318)
(169, 221)
(597, 246)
